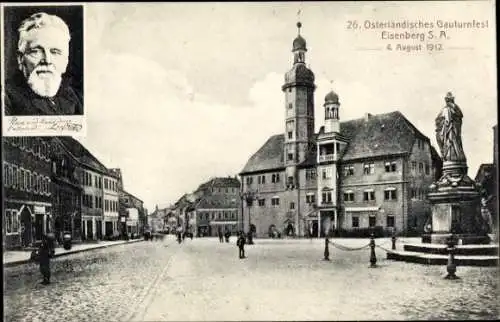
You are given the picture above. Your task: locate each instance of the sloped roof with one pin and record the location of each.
(83, 155)
(220, 182)
(218, 201)
(372, 136)
(484, 169)
(379, 135)
(268, 157)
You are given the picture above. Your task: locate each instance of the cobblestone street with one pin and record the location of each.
(202, 279)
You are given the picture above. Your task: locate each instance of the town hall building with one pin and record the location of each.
(366, 173)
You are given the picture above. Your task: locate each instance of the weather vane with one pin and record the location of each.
(299, 24)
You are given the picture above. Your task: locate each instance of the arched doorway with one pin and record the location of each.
(26, 227)
(289, 229)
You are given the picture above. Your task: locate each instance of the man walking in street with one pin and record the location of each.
(43, 258)
(241, 244)
(221, 236)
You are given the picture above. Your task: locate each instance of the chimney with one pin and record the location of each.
(368, 116)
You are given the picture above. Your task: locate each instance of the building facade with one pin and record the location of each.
(67, 191)
(364, 174)
(27, 183)
(111, 205)
(132, 208)
(217, 207)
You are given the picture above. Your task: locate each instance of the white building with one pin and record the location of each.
(111, 205)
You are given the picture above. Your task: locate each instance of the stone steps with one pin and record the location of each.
(465, 250)
(441, 259)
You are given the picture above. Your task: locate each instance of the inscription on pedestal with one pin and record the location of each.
(441, 218)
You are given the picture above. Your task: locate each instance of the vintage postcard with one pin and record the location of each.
(258, 161)
(43, 70)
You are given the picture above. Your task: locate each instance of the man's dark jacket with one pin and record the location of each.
(21, 100)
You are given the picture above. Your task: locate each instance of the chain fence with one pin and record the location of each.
(347, 248)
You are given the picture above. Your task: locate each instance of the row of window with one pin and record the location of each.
(420, 144)
(372, 221)
(261, 179)
(92, 201)
(390, 194)
(25, 180)
(369, 195)
(98, 182)
(369, 168)
(34, 145)
(110, 205)
(110, 184)
(226, 190)
(423, 167)
(219, 215)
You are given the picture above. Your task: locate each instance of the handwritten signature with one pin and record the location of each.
(43, 124)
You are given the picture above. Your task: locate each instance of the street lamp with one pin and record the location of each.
(249, 197)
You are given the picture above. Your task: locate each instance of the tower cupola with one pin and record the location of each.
(332, 104)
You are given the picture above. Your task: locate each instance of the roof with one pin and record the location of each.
(484, 169)
(369, 137)
(83, 155)
(220, 182)
(379, 135)
(268, 157)
(218, 201)
(131, 195)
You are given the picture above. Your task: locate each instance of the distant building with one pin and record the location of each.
(213, 206)
(218, 207)
(359, 174)
(133, 210)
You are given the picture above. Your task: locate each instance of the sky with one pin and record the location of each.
(178, 93)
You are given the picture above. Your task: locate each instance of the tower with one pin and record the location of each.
(332, 123)
(330, 144)
(299, 111)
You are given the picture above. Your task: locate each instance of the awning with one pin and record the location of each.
(354, 209)
(212, 223)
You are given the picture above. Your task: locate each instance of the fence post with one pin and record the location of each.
(451, 268)
(373, 257)
(327, 252)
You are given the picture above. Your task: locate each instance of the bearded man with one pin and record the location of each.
(38, 88)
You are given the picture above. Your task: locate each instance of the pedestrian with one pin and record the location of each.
(221, 237)
(227, 235)
(43, 258)
(241, 244)
(179, 233)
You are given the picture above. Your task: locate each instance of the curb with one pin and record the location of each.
(71, 252)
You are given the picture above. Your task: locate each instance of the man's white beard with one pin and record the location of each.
(46, 84)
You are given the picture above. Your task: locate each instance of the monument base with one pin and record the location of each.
(463, 239)
(455, 208)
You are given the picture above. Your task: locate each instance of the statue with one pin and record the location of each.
(448, 131)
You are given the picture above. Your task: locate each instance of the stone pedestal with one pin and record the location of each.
(456, 208)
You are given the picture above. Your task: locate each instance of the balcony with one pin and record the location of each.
(326, 157)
